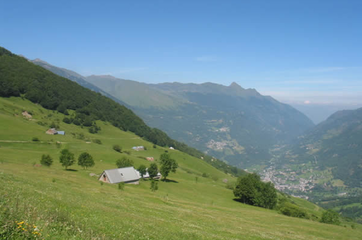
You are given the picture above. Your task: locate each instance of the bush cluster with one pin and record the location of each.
(251, 190)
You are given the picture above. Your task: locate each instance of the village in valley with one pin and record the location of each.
(287, 180)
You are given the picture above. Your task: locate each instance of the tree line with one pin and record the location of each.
(67, 159)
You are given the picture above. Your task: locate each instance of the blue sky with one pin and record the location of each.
(300, 52)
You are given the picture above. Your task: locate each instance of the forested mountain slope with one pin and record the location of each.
(334, 144)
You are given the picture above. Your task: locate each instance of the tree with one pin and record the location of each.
(167, 165)
(153, 170)
(251, 190)
(66, 158)
(142, 169)
(46, 160)
(330, 217)
(124, 162)
(85, 160)
(117, 148)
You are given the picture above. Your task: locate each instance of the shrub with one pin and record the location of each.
(215, 178)
(205, 175)
(121, 185)
(117, 148)
(154, 186)
(124, 162)
(46, 160)
(35, 139)
(76, 122)
(97, 141)
(41, 123)
(67, 120)
(54, 125)
(330, 217)
(230, 185)
(293, 210)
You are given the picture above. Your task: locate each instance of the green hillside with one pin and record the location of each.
(19, 77)
(74, 205)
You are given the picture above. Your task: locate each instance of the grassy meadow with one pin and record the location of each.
(52, 203)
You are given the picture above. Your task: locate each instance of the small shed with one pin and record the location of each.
(26, 114)
(126, 175)
(61, 132)
(51, 131)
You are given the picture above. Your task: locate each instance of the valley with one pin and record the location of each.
(247, 130)
(181, 120)
(73, 204)
(196, 202)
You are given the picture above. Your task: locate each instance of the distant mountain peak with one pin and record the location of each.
(38, 60)
(235, 85)
(107, 76)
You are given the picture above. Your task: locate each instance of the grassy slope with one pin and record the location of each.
(71, 204)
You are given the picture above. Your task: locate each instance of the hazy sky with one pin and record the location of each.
(306, 52)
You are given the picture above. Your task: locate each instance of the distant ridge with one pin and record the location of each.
(235, 124)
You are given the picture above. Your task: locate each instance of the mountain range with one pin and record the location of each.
(196, 201)
(237, 125)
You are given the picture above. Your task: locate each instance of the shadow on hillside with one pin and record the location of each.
(169, 180)
(71, 170)
(238, 200)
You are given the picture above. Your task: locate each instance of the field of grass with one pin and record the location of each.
(73, 205)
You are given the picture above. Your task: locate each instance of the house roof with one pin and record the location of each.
(127, 174)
